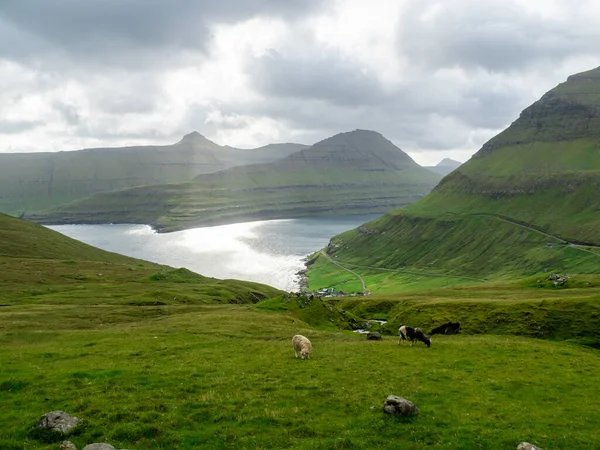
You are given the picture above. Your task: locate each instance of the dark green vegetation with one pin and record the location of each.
(34, 181)
(514, 210)
(351, 173)
(156, 358)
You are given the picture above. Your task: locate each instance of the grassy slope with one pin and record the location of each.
(357, 172)
(150, 360)
(542, 173)
(225, 376)
(34, 181)
(42, 266)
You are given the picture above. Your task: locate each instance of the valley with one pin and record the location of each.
(499, 260)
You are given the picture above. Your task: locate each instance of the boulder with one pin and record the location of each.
(527, 446)
(373, 336)
(58, 421)
(67, 445)
(100, 446)
(400, 406)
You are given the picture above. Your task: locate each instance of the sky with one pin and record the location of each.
(436, 77)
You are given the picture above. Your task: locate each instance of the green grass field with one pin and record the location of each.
(225, 376)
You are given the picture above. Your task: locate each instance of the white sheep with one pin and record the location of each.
(302, 344)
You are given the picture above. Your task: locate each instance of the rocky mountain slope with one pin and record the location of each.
(517, 207)
(349, 173)
(33, 181)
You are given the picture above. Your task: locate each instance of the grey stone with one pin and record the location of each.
(67, 445)
(58, 421)
(400, 406)
(373, 336)
(100, 446)
(527, 446)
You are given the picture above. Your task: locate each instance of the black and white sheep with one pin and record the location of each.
(413, 335)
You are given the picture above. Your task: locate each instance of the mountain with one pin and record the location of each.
(48, 268)
(350, 173)
(445, 166)
(33, 181)
(518, 207)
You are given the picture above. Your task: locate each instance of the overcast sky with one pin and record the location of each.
(437, 77)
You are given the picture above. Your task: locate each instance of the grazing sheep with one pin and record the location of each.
(412, 334)
(302, 345)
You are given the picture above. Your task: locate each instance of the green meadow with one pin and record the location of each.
(225, 376)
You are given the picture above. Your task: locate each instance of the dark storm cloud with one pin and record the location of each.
(124, 31)
(497, 35)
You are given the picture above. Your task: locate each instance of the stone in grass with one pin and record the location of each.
(101, 446)
(400, 406)
(373, 336)
(58, 421)
(527, 446)
(67, 445)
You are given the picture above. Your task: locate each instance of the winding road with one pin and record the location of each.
(364, 286)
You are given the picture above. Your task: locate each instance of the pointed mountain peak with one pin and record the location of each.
(193, 136)
(196, 139)
(448, 162)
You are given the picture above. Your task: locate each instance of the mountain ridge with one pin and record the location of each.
(336, 175)
(491, 217)
(34, 181)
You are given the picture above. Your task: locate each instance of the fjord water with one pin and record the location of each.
(269, 252)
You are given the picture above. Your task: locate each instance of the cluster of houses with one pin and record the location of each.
(332, 292)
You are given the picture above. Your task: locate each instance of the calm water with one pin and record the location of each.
(269, 252)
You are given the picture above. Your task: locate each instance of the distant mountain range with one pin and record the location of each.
(445, 166)
(349, 173)
(33, 181)
(527, 203)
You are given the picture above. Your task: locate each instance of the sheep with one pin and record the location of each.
(412, 334)
(302, 344)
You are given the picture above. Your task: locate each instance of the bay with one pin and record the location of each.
(270, 252)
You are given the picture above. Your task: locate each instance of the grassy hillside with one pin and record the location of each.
(220, 376)
(34, 181)
(351, 173)
(42, 266)
(515, 209)
(156, 358)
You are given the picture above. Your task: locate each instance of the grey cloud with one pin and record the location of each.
(330, 93)
(327, 78)
(17, 126)
(497, 35)
(68, 112)
(105, 31)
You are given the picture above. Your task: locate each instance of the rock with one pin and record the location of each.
(100, 446)
(373, 336)
(67, 445)
(400, 406)
(58, 421)
(527, 446)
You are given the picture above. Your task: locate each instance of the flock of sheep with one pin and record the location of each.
(303, 346)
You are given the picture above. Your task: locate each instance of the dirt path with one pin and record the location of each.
(364, 286)
(583, 248)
